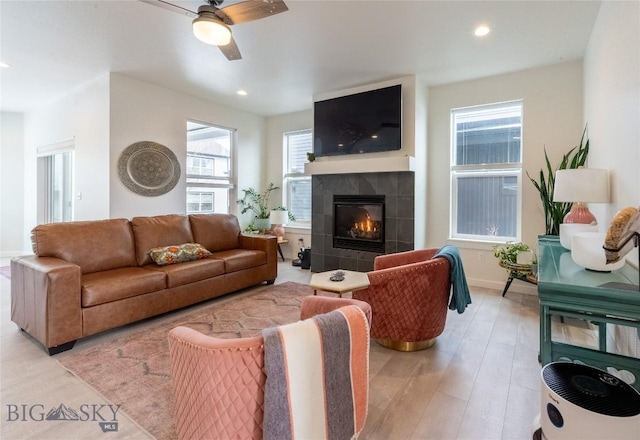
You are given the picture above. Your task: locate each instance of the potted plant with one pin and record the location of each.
(555, 212)
(258, 203)
(507, 253)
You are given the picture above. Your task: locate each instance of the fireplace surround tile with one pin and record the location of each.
(399, 191)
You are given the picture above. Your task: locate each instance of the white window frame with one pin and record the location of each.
(289, 177)
(216, 183)
(512, 169)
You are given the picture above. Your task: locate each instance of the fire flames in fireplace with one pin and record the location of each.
(359, 222)
(367, 228)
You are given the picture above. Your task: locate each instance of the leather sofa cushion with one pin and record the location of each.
(158, 231)
(93, 245)
(116, 284)
(190, 272)
(240, 259)
(216, 232)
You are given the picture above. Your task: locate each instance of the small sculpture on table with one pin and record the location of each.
(622, 236)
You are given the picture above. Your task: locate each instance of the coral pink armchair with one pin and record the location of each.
(408, 294)
(219, 384)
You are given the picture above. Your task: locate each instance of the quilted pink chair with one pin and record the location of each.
(219, 384)
(408, 294)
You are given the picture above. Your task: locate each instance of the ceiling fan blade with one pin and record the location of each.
(250, 10)
(171, 7)
(231, 50)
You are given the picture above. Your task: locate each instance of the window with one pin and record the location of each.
(486, 172)
(59, 205)
(55, 182)
(209, 168)
(297, 185)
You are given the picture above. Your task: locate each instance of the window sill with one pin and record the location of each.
(300, 228)
(481, 245)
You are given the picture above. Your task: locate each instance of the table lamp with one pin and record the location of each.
(278, 219)
(580, 186)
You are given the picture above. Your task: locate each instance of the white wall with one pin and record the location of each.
(552, 119)
(145, 112)
(103, 117)
(612, 103)
(421, 130)
(11, 185)
(612, 107)
(82, 115)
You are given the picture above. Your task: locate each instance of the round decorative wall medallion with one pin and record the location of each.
(148, 168)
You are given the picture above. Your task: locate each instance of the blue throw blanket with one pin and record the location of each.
(460, 298)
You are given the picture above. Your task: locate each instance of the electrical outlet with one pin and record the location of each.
(480, 256)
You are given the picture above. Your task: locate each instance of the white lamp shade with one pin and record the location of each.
(211, 30)
(581, 185)
(279, 217)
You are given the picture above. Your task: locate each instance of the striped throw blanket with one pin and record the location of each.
(317, 377)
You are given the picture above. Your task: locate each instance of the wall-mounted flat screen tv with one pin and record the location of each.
(366, 122)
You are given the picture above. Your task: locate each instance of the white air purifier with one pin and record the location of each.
(583, 402)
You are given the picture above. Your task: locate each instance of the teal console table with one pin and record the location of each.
(568, 290)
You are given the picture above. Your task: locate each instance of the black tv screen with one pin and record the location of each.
(366, 122)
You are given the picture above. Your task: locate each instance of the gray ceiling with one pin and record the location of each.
(315, 47)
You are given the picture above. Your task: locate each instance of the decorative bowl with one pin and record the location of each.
(587, 251)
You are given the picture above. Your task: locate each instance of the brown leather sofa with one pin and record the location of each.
(91, 276)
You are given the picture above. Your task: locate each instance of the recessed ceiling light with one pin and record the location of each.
(481, 31)
(242, 92)
(2, 64)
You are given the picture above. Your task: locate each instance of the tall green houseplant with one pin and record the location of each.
(257, 202)
(554, 212)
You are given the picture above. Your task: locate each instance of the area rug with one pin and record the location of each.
(133, 369)
(5, 271)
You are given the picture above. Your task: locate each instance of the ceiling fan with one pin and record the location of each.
(211, 23)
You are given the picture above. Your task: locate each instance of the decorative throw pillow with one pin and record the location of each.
(178, 254)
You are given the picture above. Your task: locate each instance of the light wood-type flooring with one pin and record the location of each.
(480, 381)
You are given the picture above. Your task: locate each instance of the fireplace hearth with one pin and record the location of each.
(359, 222)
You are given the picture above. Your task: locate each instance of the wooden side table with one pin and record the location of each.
(281, 241)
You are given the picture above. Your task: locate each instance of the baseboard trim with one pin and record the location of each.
(11, 254)
(517, 286)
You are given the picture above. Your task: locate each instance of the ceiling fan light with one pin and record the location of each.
(211, 30)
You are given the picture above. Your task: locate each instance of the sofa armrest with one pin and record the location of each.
(266, 243)
(402, 258)
(259, 242)
(45, 300)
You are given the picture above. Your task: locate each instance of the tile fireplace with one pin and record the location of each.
(388, 199)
